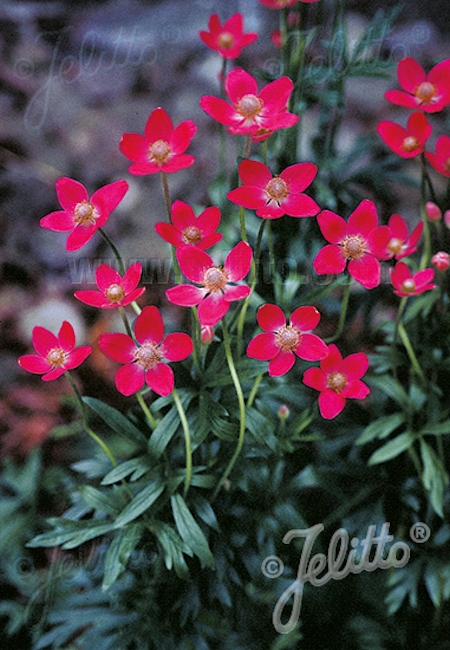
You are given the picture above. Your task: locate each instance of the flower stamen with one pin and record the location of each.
(115, 293)
(56, 357)
(336, 381)
(215, 278)
(425, 92)
(85, 213)
(191, 235)
(147, 355)
(353, 247)
(249, 106)
(225, 40)
(159, 152)
(276, 190)
(287, 338)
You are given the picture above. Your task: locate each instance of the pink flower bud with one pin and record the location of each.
(441, 261)
(432, 211)
(447, 218)
(207, 334)
(283, 412)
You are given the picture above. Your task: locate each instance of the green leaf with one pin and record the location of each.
(173, 547)
(139, 466)
(434, 477)
(163, 433)
(190, 532)
(391, 388)
(392, 448)
(381, 428)
(119, 552)
(438, 429)
(261, 428)
(141, 502)
(98, 500)
(116, 420)
(71, 534)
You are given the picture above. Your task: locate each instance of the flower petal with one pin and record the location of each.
(305, 318)
(329, 260)
(109, 196)
(34, 363)
(410, 74)
(238, 292)
(212, 308)
(300, 205)
(182, 136)
(66, 337)
(263, 347)
(43, 340)
(77, 357)
(366, 271)
(330, 404)
(70, 192)
(363, 219)
(130, 379)
(255, 173)
(159, 126)
(118, 347)
(105, 276)
(185, 295)
(281, 364)
(160, 379)
(315, 378)
(239, 83)
(299, 176)
(238, 261)
(134, 147)
(332, 226)
(177, 346)
(355, 366)
(59, 221)
(311, 348)
(193, 262)
(149, 325)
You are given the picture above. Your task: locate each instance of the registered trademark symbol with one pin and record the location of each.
(419, 532)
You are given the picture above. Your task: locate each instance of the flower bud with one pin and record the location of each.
(441, 261)
(207, 334)
(283, 412)
(432, 211)
(447, 218)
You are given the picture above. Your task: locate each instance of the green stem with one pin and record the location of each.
(187, 440)
(241, 402)
(415, 459)
(87, 428)
(344, 308)
(125, 322)
(114, 250)
(409, 349)
(254, 390)
(247, 146)
(151, 420)
(166, 192)
(426, 256)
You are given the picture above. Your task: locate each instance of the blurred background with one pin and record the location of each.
(73, 78)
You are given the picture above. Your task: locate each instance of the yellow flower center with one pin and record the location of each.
(336, 381)
(159, 152)
(408, 285)
(395, 245)
(276, 190)
(249, 106)
(56, 357)
(410, 143)
(287, 338)
(115, 293)
(215, 278)
(147, 355)
(425, 92)
(353, 247)
(191, 235)
(85, 213)
(225, 40)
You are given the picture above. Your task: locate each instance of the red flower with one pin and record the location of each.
(401, 244)
(251, 112)
(361, 242)
(55, 354)
(186, 228)
(280, 4)
(429, 93)
(441, 260)
(441, 159)
(278, 343)
(407, 284)
(144, 362)
(115, 290)
(274, 196)
(408, 142)
(227, 39)
(161, 148)
(214, 296)
(81, 215)
(338, 379)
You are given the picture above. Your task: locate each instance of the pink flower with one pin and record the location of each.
(338, 379)
(407, 284)
(214, 296)
(409, 142)
(55, 354)
(360, 242)
(401, 244)
(441, 159)
(429, 93)
(441, 261)
(251, 112)
(433, 211)
(274, 196)
(186, 228)
(279, 343)
(227, 39)
(161, 148)
(115, 290)
(81, 215)
(144, 363)
(280, 4)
